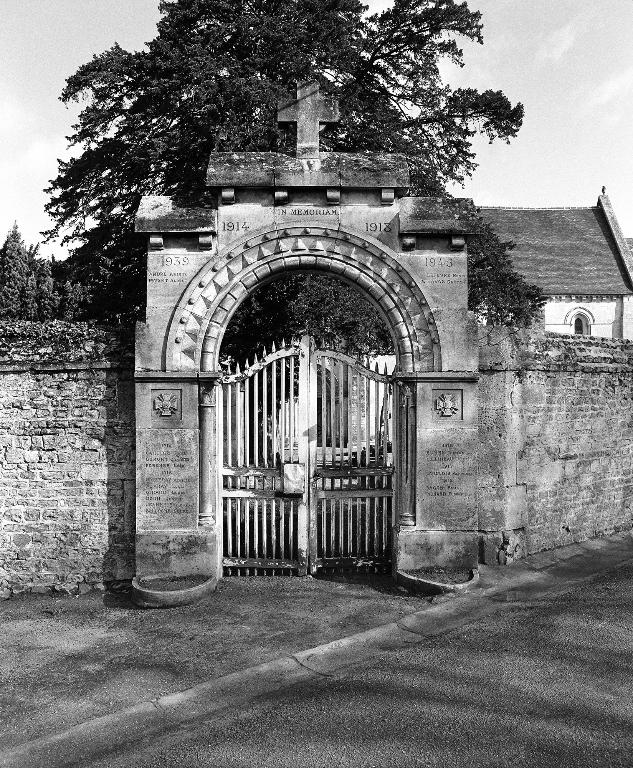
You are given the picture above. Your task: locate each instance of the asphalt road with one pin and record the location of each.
(548, 683)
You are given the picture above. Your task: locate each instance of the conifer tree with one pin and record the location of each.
(29, 298)
(14, 270)
(47, 299)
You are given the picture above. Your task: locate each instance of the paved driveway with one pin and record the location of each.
(541, 683)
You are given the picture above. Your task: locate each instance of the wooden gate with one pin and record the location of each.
(307, 464)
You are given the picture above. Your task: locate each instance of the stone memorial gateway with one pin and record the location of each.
(288, 483)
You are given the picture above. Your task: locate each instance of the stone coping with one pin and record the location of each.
(69, 365)
(437, 376)
(359, 170)
(177, 375)
(159, 213)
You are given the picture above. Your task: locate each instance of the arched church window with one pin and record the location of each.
(581, 325)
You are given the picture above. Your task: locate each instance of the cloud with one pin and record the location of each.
(557, 44)
(615, 86)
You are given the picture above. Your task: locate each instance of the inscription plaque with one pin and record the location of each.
(449, 485)
(168, 487)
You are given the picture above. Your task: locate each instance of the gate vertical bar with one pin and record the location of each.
(301, 425)
(311, 480)
(282, 411)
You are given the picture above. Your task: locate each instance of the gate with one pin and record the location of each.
(307, 464)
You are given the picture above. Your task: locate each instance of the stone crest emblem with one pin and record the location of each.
(446, 405)
(166, 404)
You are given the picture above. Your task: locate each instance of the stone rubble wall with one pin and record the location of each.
(556, 428)
(555, 466)
(66, 457)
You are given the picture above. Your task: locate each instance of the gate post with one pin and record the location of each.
(304, 431)
(405, 441)
(438, 509)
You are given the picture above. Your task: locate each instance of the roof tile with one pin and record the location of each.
(562, 250)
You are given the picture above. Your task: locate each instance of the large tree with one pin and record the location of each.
(211, 81)
(27, 287)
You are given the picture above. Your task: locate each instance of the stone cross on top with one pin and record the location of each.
(309, 111)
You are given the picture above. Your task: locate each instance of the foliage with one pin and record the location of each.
(497, 293)
(58, 340)
(25, 293)
(29, 289)
(211, 81)
(336, 314)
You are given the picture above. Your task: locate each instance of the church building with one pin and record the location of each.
(579, 259)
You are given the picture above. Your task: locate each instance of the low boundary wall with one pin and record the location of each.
(556, 436)
(555, 463)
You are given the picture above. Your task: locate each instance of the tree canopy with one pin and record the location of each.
(32, 288)
(211, 81)
(497, 293)
(331, 311)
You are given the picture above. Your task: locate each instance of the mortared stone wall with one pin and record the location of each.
(555, 462)
(66, 457)
(556, 441)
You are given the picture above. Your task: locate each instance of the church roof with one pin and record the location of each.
(567, 250)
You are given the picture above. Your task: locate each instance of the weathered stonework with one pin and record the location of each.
(554, 464)
(556, 441)
(67, 480)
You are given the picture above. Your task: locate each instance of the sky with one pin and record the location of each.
(570, 62)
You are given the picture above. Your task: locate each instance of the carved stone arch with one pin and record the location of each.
(579, 310)
(211, 298)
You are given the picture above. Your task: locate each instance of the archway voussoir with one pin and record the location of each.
(249, 280)
(307, 262)
(338, 267)
(400, 329)
(220, 314)
(262, 271)
(377, 292)
(351, 273)
(405, 360)
(227, 302)
(364, 281)
(323, 263)
(387, 303)
(291, 262)
(394, 316)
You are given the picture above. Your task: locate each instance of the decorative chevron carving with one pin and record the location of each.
(205, 305)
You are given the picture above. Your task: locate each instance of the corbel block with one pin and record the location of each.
(333, 196)
(156, 243)
(205, 241)
(281, 196)
(387, 195)
(228, 195)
